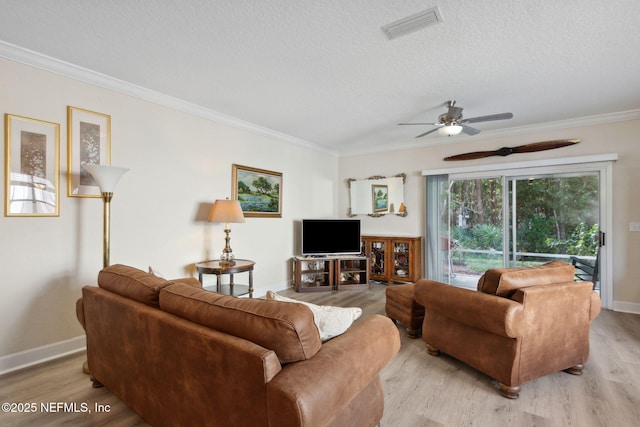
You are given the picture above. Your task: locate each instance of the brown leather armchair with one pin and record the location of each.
(521, 324)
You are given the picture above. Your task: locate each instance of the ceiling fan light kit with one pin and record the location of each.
(450, 130)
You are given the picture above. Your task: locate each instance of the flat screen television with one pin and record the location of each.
(322, 237)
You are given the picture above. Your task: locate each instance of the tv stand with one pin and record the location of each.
(329, 273)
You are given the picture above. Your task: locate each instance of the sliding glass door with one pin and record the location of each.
(476, 228)
(512, 220)
(554, 217)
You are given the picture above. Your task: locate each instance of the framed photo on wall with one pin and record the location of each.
(32, 167)
(89, 142)
(259, 191)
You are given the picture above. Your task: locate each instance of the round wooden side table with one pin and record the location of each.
(240, 266)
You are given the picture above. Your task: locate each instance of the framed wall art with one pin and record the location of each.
(32, 167)
(380, 197)
(89, 142)
(259, 191)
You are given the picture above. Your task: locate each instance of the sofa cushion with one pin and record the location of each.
(505, 282)
(331, 321)
(132, 283)
(136, 284)
(287, 329)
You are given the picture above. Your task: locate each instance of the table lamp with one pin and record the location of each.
(226, 211)
(107, 177)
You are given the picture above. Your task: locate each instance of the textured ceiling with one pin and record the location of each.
(324, 72)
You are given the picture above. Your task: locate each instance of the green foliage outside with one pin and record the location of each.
(553, 216)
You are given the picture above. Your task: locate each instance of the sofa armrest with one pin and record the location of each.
(487, 312)
(312, 391)
(596, 306)
(549, 305)
(80, 312)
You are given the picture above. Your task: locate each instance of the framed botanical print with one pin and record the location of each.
(89, 142)
(259, 191)
(32, 167)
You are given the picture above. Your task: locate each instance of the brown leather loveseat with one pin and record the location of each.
(522, 323)
(180, 355)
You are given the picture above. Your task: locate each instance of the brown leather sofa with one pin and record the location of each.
(522, 323)
(180, 355)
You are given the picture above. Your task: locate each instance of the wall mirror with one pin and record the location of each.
(377, 196)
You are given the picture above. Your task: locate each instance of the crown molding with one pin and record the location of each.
(53, 65)
(50, 64)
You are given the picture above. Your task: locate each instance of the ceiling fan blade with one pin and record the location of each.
(430, 124)
(505, 151)
(469, 130)
(427, 133)
(502, 116)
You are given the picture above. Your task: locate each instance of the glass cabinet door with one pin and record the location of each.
(377, 257)
(401, 259)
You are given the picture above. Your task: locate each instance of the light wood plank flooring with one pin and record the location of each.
(420, 390)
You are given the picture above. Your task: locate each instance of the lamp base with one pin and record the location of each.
(227, 259)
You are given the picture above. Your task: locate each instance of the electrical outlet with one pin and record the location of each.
(634, 226)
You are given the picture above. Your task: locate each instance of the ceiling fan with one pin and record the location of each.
(451, 123)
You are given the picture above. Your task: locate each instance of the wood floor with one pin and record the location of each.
(420, 390)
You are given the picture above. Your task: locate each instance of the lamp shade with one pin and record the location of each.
(106, 176)
(450, 130)
(226, 211)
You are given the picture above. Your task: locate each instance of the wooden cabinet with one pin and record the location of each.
(331, 273)
(393, 259)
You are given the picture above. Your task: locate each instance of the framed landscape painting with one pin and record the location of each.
(380, 197)
(32, 152)
(89, 143)
(259, 191)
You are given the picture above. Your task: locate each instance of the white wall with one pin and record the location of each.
(179, 165)
(620, 137)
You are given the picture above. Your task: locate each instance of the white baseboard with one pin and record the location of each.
(23, 359)
(626, 307)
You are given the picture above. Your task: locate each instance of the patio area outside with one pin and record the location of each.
(465, 266)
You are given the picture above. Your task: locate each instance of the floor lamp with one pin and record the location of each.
(107, 177)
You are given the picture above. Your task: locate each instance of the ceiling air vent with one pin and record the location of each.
(412, 23)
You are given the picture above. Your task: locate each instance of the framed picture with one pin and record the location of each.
(89, 142)
(380, 197)
(259, 191)
(32, 153)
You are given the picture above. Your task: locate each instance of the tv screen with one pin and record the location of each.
(323, 237)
